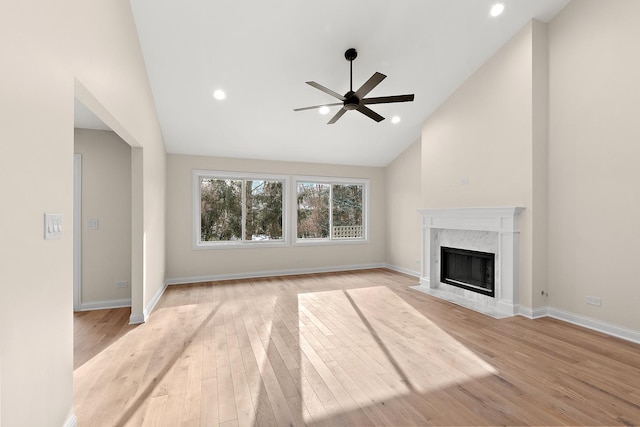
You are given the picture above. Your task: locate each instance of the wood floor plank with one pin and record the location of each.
(244, 404)
(173, 410)
(277, 399)
(345, 348)
(209, 408)
(153, 417)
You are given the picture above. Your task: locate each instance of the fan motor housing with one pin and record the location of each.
(352, 102)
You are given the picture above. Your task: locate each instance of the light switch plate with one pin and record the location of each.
(52, 226)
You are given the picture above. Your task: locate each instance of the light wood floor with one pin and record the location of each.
(355, 348)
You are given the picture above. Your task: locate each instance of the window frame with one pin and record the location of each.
(198, 244)
(365, 182)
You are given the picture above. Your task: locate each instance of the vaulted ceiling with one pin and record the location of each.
(261, 53)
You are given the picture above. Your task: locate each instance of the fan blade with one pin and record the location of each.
(337, 116)
(370, 84)
(318, 106)
(326, 90)
(370, 113)
(387, 99)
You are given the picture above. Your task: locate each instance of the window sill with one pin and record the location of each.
(234, 245)
(327, 242)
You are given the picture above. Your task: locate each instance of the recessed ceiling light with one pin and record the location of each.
(324, 110)
(219, 94)
(497, 9)
(395, 119)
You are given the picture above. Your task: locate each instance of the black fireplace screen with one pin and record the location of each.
(471, 270)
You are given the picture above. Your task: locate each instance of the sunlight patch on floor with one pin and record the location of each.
(390, 349)
(137, 368)
(303, 357)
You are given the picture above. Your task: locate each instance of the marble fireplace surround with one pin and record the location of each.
(487, 229)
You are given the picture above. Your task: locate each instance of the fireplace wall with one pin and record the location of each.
(493, 230)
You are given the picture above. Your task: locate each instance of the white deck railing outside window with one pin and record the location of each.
(347, 232)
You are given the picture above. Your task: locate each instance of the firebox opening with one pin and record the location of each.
(471, 270)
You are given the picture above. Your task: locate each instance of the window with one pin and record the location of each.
(238, 209)
(330, 209)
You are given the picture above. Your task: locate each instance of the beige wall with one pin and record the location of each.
(152, 257)
(594, 147)
(478, 147)
(106, 196)
(46, 47)
(183, 262)
(403, 222)
(538, 210)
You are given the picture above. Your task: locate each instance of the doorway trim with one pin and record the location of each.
(77, 232)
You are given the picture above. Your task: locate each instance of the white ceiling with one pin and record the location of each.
(262, 52)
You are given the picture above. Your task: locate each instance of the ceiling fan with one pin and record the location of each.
(356, 100)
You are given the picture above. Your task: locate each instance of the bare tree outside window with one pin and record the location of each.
(330, 211)
(232, 207)
(347, 205)
(263, 203)
(238, 209)
(221, 209)
(313, 210)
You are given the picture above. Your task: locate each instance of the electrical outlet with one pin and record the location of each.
(418, 262)
(122, 284)
(594, 301)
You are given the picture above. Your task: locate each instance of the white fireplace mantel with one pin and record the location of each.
(500, 232)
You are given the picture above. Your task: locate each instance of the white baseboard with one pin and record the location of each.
(270, 273)
(402, 270)
(105, 304)
(535, 313)
(584, 321)
(136, 318)
(152, 304)
(72, 421)
(596, 325)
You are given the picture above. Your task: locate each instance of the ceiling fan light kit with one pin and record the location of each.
(356, 100)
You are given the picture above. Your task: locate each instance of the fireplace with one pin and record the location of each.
(487, 285)
(470, 270)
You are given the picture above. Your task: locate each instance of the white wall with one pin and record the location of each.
(403, 222)
(594, 147)
(47, 47)
(184, 263)
(106, 197)
(478, 147)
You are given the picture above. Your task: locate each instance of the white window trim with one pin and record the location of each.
(197, 244)
(329, 180)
